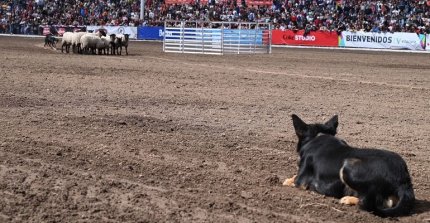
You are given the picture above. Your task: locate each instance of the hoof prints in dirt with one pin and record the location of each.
(143, 123)
(82, 194)
(12, 101)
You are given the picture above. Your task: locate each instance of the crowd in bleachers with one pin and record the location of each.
(25, 16)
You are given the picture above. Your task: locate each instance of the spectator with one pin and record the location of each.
(3, 24)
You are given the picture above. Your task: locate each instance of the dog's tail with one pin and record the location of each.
(402, 199)
(404, 205)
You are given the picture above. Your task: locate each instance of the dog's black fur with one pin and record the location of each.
(330, 166)
(51, 41)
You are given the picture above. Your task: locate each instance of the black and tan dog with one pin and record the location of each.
(51, 41)
(377, 180)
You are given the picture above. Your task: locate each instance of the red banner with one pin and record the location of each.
(257, 2)
(178, 2)
(46, 30)
(61, 31)
(249, 3)
(314, 38)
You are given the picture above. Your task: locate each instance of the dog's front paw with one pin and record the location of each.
(349, 200)
(290, 181)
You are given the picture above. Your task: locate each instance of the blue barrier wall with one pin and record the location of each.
(243, 36)
(232, 36)
(150, 32)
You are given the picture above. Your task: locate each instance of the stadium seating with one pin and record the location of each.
(26, 16)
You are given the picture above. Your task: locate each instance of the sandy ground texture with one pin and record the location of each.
(157, 137)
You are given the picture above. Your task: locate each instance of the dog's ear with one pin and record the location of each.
(330, 127)
(299, 125)
(333, 122)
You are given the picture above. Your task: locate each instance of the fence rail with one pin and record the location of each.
(217, 37)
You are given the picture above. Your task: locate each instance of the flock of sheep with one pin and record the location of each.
(93, 43)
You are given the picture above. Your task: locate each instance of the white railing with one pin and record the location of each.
(217, 37)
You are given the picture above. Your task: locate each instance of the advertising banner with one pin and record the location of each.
(46, 30)
(179, 2)
(177, 33)
(132, 31)
(314, 38)
(150, 32)
(243, 36)
(366, 40)
(397, 40)
(60, 30)
(410, 41)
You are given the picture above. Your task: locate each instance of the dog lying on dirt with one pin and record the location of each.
(377, 180)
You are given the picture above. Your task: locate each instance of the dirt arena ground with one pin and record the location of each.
(156, 137)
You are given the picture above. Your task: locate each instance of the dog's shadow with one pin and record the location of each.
(422, 206)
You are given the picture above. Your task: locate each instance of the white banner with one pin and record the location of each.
(410, 41)
(117, 30)
(398, 40)
(365, 40)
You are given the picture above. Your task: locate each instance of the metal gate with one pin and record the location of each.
(217, 37)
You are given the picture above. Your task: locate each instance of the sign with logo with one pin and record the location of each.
(132, 31)
(46, 30)
(366, 40)
(410, 41)
(150, 32)
(397, 40)
(314, 38)
(241, 36)
(61, 31)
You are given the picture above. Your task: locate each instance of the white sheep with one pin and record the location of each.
(89, 42)
(76, 41)
(109, 42)
(66, 41)
(103, 44)
(121, 40)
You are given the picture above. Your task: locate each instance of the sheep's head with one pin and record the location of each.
(118, 40)
(112, 37)
(101, 32)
